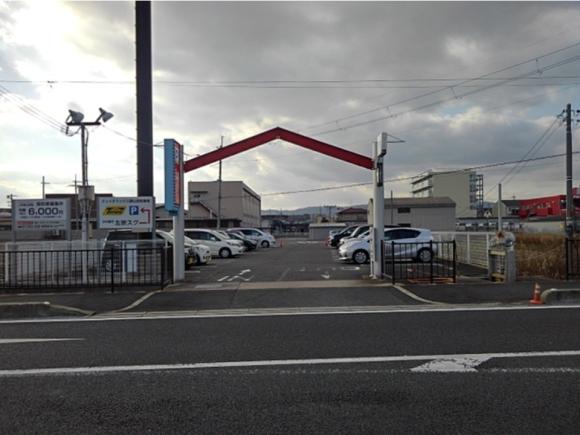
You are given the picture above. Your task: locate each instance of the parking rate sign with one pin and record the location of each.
(126, 213)
(41, 214)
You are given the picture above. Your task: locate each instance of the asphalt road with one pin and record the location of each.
(297, 260)
(413, 371)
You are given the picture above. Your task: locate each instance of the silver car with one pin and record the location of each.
(411, 243)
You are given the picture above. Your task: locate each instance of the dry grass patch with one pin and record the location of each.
(541, 255)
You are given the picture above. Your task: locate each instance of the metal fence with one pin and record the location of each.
(422, 262)
(111, 268)
(572, 258)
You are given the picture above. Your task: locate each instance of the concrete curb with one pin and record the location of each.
(12, 310)
(561, 296)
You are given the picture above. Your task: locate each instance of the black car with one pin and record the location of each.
(249, 244)
(344, 233)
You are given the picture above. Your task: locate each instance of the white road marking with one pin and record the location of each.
(414, 296)
(274, 363)
(287, 312)
(450, 365)
(223, 278)
(240, 277)
(35, 340)
(137, 302)
(350, 268)
(325, 275)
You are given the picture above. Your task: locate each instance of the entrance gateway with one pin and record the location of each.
(175, 167)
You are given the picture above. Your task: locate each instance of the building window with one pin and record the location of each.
(402, 210)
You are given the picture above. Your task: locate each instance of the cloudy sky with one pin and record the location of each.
(464, 84)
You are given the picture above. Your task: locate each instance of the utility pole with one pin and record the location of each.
(392, 209)
(570, 210)
(76, 185)
(499, 223)
(44, 183)
(219, 210)
(10, 197)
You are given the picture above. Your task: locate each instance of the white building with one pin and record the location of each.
(240, 205)
(465, 188)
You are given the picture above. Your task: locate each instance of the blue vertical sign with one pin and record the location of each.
(173, 175)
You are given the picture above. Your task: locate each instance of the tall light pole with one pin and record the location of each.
(86, 192)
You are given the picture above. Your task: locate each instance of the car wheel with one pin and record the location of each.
(225, 253)
(360, 256)
(424, 255)
(265, 244)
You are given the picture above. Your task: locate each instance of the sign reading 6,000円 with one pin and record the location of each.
(41, 214)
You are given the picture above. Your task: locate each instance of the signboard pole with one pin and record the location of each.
(174, 184)
(13, 221)
(377, 234)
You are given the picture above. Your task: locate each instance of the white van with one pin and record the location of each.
(219, 245)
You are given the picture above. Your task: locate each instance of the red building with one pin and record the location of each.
(547, 206)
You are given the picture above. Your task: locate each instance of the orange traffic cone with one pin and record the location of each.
(536, 299)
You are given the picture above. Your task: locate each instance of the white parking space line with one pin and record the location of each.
(35, 340)
(277, 363)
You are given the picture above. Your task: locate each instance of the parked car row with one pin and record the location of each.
(201, 244)
(354, 243)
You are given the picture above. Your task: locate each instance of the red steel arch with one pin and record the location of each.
(270, 135)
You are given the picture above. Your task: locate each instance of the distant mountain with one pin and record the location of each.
(308, 210)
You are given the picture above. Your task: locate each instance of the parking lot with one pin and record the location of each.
(295, 260)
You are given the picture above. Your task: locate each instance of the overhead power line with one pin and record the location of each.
(407, 178)
(31, 110)
(452, 88)
(227, 83)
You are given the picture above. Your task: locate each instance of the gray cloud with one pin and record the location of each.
(205, 41)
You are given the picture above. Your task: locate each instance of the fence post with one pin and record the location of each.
(431, 261)
(566, 247)
(454, 261)
(162, 251)
(468, 248)
(113, 268)
(487, 236)
(393, 262)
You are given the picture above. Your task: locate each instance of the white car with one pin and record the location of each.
(263, 239)
(202, 252)
(412, 243)
(358, 233)
(219, 245)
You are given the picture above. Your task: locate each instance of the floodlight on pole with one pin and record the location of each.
(86, 193)
(104, 116)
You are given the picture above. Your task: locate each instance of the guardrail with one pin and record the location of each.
(421, 262)
(111, 268)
